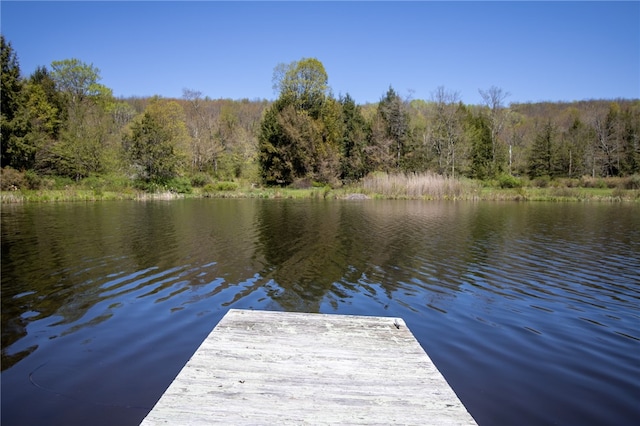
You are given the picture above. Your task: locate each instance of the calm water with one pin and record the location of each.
(530, 310)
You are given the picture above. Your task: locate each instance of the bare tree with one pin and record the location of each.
(493, 98)
(605, 125)
(446, 129)
(205, 149)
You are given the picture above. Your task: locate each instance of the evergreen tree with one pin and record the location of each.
(542, 157)
(10, 101)
(395, 122)
(573, 150)
(353, 165)
(479, 132)
(157, 143)
(300, 131)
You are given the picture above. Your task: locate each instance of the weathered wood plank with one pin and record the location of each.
(259, 367)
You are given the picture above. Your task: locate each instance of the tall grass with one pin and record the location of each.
(419, 185)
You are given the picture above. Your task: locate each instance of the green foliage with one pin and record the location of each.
(157, 142)
(200, 179)
(300, 133)
(98, 184)
(481, 147)
(10, 102)
(225, 186)
(78, 80)
(174, 185)
(9, 80)
(542, 159)
(302, 83)
(395, 125)
(629, 134)
(82, 146)
(62, 126)
(11, 179)
(39, 121)
(509, 181)
(276, 167)
(32, 180)
(353, 142)
(179, 185)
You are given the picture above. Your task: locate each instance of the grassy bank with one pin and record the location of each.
(380, 186)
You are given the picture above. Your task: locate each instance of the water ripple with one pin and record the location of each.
(530, 311)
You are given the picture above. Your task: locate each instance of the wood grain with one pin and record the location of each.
(259, 367)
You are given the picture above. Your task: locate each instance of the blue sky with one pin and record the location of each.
(537, 51)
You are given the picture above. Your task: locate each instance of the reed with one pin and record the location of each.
(419, 185)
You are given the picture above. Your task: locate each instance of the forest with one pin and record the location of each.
(60, 126)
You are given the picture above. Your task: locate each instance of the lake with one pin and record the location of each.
(530, 310)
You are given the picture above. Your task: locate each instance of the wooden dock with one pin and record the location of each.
(259, 367)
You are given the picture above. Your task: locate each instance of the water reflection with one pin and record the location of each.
(540, 300)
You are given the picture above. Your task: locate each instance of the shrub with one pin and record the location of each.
(11, 179)
(614, 182)
(568, 182)
(633, 182)
(93, 182)
(618, 193)
(508, 181)
(302, 183)
(542, 181)
(62, 182)
(180, 186)
(563, 191)
(226, 186)
(32, 180)
(47, 183)
(200, 179)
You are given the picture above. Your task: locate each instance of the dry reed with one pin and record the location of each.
(418, 185)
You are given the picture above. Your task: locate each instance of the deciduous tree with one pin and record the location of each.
(302, 83)
(81, 148)
(493, 99)
(446, 129)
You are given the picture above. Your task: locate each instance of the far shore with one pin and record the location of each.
(476, 193)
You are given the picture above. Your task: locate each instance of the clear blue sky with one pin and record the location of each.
(537, 51)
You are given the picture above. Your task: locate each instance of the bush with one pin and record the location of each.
(11, 179)
(302, 183)
(180, 186)
(633, 182)
(618, 193)
(200, 179)
(93, 182)
(568, 183)
(508, 181)
(542, 181)
(226, 186)
(62, 182)
(590, 182)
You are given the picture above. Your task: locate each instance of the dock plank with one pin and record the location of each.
(260, 367)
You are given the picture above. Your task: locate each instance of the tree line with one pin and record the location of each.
(62, 122)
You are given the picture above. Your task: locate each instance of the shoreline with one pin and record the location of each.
(531, 194)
